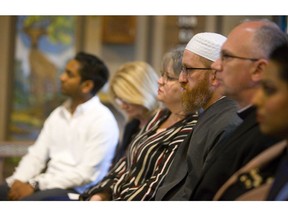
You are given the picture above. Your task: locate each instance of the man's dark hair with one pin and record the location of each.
(280, 57)
(92, 68)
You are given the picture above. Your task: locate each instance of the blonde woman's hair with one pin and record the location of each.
(136, 83)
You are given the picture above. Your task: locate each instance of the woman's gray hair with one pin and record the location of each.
(174, 56)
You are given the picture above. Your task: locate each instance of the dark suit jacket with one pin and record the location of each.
(227, 157)
(213, 125)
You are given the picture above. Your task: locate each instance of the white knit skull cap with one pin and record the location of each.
(207, 45)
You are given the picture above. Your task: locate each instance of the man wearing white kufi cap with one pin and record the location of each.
(217, 115)
(206, 45)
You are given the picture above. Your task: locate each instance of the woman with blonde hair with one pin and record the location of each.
(133, 90)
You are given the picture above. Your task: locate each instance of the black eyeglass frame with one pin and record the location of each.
(186, 70)
(166, 77)
(225, 56)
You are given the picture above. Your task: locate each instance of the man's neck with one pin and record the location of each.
(213, 100)
(75, 102)
(246, 97)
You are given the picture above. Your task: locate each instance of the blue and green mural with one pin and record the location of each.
(43, 46)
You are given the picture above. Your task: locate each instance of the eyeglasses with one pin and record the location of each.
(166, 77)
(187, 70)
(226, 57)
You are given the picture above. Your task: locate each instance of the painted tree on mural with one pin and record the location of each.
(45, 39)
(43, 74)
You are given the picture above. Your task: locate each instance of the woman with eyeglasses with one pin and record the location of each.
(269, 168)
(140, 172)
(133, 90)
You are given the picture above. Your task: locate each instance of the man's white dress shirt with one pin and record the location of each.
(79, 147)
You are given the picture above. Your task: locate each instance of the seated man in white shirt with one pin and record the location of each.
(76, 144)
